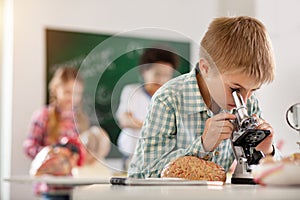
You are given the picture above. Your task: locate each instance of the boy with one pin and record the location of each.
(191, 114)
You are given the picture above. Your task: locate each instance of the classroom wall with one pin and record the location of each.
(5, 92)
(1, 60)
(189, 18)
(282, 19)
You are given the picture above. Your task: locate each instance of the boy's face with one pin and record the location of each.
(221, 86)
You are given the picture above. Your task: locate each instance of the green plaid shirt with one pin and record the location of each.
(173, 128)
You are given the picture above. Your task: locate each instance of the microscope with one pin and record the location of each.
(244, 139)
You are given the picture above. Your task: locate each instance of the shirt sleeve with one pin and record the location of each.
(37, 133)
(157, 145)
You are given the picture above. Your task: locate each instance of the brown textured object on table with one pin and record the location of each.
(194, 168)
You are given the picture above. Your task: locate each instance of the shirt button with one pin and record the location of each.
(217, 153)
(206, 157)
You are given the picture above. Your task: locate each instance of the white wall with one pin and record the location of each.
(1, 60)
(6, 91)
(282, 19)
(190, 18)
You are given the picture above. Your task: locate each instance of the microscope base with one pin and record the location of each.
(248, 181)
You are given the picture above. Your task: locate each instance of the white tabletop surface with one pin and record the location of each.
(228, 191)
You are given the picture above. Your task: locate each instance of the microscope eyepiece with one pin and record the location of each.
(242, 119)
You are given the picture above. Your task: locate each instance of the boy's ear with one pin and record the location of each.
(203, 67)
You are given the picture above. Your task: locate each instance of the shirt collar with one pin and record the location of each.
(193, 100)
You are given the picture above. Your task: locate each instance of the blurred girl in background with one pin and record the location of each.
(62, 118)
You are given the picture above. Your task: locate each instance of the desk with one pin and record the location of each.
(228, 191)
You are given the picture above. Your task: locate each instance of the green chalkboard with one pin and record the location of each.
(107, 63)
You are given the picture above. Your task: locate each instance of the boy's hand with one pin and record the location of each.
(266, 145)
(216, 129)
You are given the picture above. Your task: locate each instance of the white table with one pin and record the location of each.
(228, 191)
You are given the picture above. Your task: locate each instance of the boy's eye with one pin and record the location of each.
(235, 89)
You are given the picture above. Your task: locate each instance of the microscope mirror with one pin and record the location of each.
(293, 116)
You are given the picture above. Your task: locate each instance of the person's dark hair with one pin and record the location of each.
(158, 54)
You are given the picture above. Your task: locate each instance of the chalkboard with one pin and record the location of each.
(107, 63)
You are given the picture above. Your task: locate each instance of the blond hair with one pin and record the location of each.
(61, 76)
(239, 44)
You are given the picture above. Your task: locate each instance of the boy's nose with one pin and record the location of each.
(246, 96)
